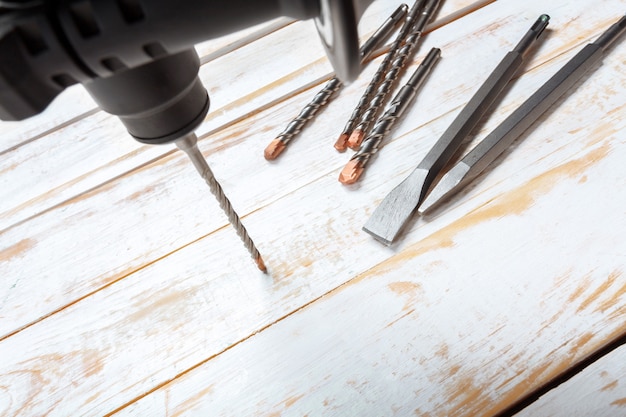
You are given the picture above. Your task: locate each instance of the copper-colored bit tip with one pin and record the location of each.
(260, 264)
(274, 149)
(351, 172)
(355, 139)
(342, 143)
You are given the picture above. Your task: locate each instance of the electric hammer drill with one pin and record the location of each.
(136, 57)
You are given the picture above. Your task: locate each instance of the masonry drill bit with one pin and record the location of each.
(188, 144)
(322, 98)
(400, 59)
(397, 207)
(353, 170)
(521, 119)
(342, 142)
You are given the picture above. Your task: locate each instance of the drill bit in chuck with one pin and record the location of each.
(188, 144)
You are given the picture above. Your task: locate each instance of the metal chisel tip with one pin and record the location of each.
(446, 187)
(396, 209)
(356, 138)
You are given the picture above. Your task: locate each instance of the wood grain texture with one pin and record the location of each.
(599, 390)
(135, 297)
(472, 336)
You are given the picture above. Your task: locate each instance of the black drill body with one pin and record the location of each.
(136, 57)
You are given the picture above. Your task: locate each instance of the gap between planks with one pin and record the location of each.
(108, 284)
(562, 378)
(47, 132)
(247, 39)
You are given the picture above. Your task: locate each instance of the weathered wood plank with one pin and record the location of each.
(462, 321)
(189, 303)
(599, 390)
(89, 218)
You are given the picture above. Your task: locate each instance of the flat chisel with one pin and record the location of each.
(397, 207)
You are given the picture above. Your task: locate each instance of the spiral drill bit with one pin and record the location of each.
(188, 144)
(342, 142)
(353, 169)
(396, 67)
(277, 146)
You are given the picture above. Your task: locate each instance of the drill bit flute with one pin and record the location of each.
(400, 59)
(342, 142)
(354, 168)
(276, 147)
(188, 144)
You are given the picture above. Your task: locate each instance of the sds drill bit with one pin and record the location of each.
(277, 146)
(397, 207)
(342, 142)
(354, 168)
(189, 145)
(521, 119)
(392, 75)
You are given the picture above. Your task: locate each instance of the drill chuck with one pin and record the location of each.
(158, 102)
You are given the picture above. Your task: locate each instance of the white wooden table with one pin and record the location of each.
(124, 291)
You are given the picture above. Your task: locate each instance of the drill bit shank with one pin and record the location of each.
(188, 144)
(398, 206)
(521, 119)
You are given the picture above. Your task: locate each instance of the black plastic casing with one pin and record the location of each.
(135, 57)
(34, 64)
(110, 35)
